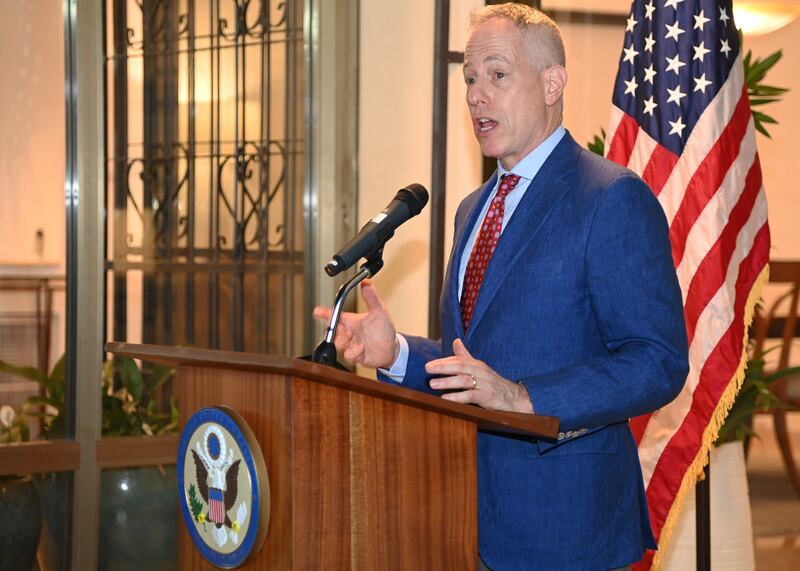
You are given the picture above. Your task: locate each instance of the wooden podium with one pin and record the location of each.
(362, 474)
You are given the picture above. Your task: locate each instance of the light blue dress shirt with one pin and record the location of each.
(526, 169)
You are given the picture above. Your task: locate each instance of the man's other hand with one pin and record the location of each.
(480, 383)
(370, 338)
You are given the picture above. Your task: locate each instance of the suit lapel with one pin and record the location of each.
(545, 190)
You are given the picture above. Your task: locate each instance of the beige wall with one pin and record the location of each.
(587, 100)
(395, 143)
(780, 155)
(396, 97)
(32, 131)
(395, 129)
(32, 154)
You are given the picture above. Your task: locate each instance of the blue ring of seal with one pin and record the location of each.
(240, 554)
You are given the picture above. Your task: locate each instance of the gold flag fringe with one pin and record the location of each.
(695, 470)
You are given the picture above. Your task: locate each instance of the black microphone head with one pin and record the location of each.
(415, 196)
(334, 266)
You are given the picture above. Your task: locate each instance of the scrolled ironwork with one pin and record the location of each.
(217, 194)
(281, 9)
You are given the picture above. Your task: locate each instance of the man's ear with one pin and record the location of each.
(555, 81)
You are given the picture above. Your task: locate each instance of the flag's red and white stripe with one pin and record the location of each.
(714, 200)
(216, 510)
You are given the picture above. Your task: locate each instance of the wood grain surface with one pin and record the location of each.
(413, 487)
(356, 482)
(321, 468)
(40, 457)
(263, 401)
(125, 451)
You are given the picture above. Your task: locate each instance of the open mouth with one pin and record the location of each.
(485, 125)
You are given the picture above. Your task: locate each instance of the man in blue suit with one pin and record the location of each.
(560, 298)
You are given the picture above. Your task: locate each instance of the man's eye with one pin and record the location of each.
(499, 75)
(469, 80)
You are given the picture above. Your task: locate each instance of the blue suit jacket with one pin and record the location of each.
(580, 303)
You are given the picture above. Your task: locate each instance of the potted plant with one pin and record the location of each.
(13, 427)
(130, 404)
(21, 524)
(731, 524)
(754, 396)
(135, 502)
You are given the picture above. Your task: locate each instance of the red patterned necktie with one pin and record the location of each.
(484, 247)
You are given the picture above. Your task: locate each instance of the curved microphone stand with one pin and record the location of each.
(325, 352)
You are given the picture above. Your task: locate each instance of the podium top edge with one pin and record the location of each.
(544, 427)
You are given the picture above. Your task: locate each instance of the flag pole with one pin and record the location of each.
(703, 520)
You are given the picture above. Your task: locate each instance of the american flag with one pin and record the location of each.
(681, 119)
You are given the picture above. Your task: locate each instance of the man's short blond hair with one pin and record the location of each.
(544, 37)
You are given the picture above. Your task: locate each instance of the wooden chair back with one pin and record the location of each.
(780, 319)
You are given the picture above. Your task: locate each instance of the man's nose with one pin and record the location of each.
(476, 94)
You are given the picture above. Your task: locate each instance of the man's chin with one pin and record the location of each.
(488, 150)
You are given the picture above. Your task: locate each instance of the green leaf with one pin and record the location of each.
(755, 70)
(57, 428)
(44, 415)
(195, 505)
(764, 118)
(760, 128)
(30, 373)
(108, 376)
(763, 100)
(754, 74)
(759, 119)
(782, 374)
(129, 404)
(770, 90)
(56, 387)
(131, 376)
(760, 67)
(597, 145)
(159, 375)
(57, 372)
(741, 415)
(44, 401)
(755, 395)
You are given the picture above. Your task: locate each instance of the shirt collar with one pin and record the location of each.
(533, 161)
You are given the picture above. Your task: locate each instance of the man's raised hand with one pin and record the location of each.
(370, 338)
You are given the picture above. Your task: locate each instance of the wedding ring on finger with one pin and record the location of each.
(474, 382)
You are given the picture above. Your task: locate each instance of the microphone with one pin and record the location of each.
(407, 203)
